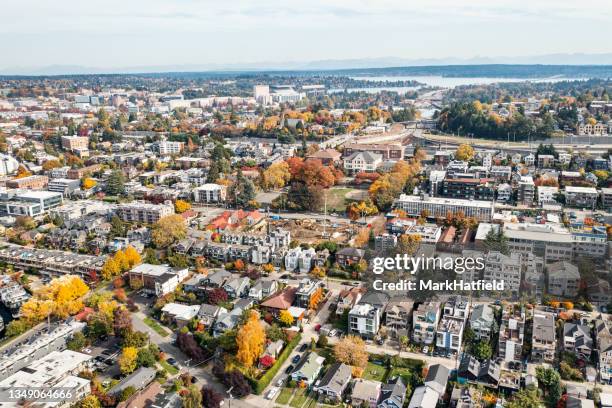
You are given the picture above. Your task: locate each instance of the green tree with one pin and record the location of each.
(497, 241)
(526, 398)
(550, 382)
(242, 191)
(115, 185)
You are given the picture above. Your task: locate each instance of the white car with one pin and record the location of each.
(273, 392)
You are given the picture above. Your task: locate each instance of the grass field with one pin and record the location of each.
(337, 198)
(170, 369)
(299, 398)
(375, 372)
(156, 326)
(284, 396)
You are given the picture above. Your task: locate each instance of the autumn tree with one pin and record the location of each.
(62, 297)
(408, 243)
(285, 317)
(22, 172)
(168, 230)
(464, 152)
(351, 350)
(362, 209)
(127, 360)
(110, 268)
(316, 298)
(250, 340)
(180, 206)
(276, 176)
(88, 183)
(132, 256)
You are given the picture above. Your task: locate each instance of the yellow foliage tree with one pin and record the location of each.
(250, 340)
(464, 152)
(276, 176)
(318, 272)
(316, 298)
(88, 183)
(180, 206)
(22, 172)
(132, 255)
(168, 230)
(62, 297)
(110, 268)
(127, 360)
(122, 261)
(285, 318)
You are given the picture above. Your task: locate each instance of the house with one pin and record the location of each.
(399, 317)
(449, 333)
(306, 290)
(308, 368)
(425, 322)
(543, 337)
(364, 320)
(392, 394)
(227, 320)
(347, 299)
(237, 288)
(424, 397)
(139, 379)
(209, 313)
(362, 162)
(280, 301)
(157, 279)
(274, 348)
(488, 373)
(306, 260)
(437, 378)
(262, 289)
(334, 382)
(577, 340)
(482, 322)
(217, 279)
(365, 393)
(603, 337)
(563, 279)
(292, 259)
(349, 256)
(179, 314)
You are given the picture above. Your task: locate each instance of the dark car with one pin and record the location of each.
(296, 359)
(171, 361)
(289, 369)
(303, 347)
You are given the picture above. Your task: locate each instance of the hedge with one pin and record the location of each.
(261, 384)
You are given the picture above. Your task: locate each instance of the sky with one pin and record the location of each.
(138, 33)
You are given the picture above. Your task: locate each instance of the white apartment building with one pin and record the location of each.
(364, 320)
(548, 241)
(450, 333)
(581, 196)
(170, 148)
(210, 193)
(547, 194)
(439, 207)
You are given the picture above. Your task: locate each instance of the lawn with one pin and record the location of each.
(284, 396)
(375, 372)
(156, 326)
(407, 374)
(336, 199)
(170, 369)
(299, 398)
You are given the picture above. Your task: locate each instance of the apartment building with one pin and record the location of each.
(157, 279)
(83, 171)
(28, 203)
(511, 333)
(506, 268)
(210, 193)
(364, 320)
(385, 242)
(526, 191)
(482, 322)
(548, 241)
(143, 212)
(591, 242)
(398, 317)
(166, 148)
(425, 321)
(305, 292)
(79, 143)
(584, 197)
(449, 333)
(563, 279)
(543, 342)
(473, 189)
(547, 195)
(439, 207)
(606, 198)
(34, 182)
(362, 162)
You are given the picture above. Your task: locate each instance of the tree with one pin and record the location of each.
(168, 230)
(22, 172)
(127, 360)
(240, 385)
(250, 340)
(132, 256)
(361, 209)
(192, 397)
(242, 191)
(525, 398)
(285, 318)
(323, 341)
(482, 350)
(88, 183)
(276, 176)
(496, 241)
(77, 342)
(211, 398)
(115, 185)
(217, 296)
(90, 401)
(408, 244)
(122, 261)
(180, 206)
(351, 350)
(122, 321)
(188, 345)
(51, 164)
(110, 268)
(316, 298)
(550, 381)
(464, 152)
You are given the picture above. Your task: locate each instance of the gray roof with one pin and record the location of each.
(336, 377)
(482, 314)
(138, 379)
(580, 332)
(393, 392)
(437, 378)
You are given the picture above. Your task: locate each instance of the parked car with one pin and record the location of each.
(171, 361)
(303, 347)
(289, 369)
(273, 392)
(296, 359)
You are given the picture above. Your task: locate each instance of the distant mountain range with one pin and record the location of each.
(578, 59)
